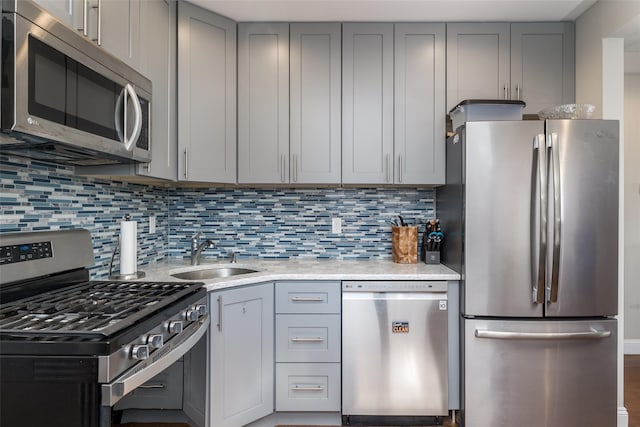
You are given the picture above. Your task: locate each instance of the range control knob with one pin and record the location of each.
(140, 352)
(155, 341)
(201, 309)
(191, 315)
(175, 327)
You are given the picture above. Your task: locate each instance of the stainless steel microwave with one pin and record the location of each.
(63, 98)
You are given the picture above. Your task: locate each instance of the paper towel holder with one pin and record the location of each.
(132, 276)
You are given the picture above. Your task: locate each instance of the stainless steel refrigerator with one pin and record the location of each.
(530, 211)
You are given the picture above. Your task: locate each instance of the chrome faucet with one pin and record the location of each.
(197, 247)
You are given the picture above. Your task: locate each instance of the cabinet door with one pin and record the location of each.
(419, 142)
(263, 103)
(477, 62)
(367, 103)
(158, 62)
(206, 96)
(242, 363)
(542, 64)
(68, 11)
(119, 29)
(315, 103)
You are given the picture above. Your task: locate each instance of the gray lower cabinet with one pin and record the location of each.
(164, 391)
(241, 352)
(206, 96)
(308, 346)
(532, 62)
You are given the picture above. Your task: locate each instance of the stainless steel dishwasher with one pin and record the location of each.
(394, 350)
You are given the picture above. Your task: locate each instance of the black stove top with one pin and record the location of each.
(94, 309)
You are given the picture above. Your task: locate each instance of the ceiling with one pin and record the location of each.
(397, 10)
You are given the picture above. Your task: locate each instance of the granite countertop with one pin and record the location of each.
(268, 270)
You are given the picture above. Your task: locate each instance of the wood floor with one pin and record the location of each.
(632, 388)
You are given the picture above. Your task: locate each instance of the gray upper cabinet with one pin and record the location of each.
(263, 103)
(68, 11)
(119, 29)
(532, 62)
(477, 62)
(315, 137)
(542, 64)
(242, 355)
(367, 103)
(419, 140)
(206, 96)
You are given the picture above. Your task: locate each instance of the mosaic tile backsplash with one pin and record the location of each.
(264, 223)
(40, 196)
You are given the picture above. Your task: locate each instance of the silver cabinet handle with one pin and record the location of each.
(282, 168)
(307, 299)
(296, 339)
(400, 169)
(504, 335)
(84, 18)
(99, 38)
(518, 91)
(387, 168)
(307, 388)
(154, 386)
(219, 313)
(186, 164)
(506, 91)
(294, 168)
(557, 216)
(539, 148)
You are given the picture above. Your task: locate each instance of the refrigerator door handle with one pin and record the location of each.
(539, 243)
(508, 335)
(554, 163)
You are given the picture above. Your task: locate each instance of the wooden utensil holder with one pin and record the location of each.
(404, 241)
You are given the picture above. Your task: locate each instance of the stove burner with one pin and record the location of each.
(89, 308)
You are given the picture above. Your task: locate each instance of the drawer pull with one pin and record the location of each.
(307, 299)
(307, 388)
(153, 386)
(296, 339)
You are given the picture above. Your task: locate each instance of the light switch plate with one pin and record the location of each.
(336, 225)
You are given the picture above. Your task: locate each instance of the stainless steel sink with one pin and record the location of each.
(212, 273)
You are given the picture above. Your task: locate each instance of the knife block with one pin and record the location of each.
(404, 244)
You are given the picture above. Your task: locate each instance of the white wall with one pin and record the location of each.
(602, 20)
(600, 81)
(632, 212)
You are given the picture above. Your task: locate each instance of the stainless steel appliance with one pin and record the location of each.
(70, 348)
(65, 99)
(531, 213)
(394, 352)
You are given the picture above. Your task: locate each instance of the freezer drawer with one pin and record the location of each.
(394, 354)
(532, 373)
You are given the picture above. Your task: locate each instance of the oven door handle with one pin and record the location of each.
(156, 363)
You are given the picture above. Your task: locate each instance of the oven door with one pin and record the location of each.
(72, 94)
(156, 363)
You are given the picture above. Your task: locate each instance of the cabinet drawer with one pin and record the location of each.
(308, 338)
(164, 391)
(308, 297)
(307, 387)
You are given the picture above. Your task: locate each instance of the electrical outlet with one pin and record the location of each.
(336, 225)
(152, 224)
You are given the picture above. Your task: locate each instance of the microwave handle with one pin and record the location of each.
(137, 126)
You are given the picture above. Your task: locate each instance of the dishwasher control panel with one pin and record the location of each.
(394, 286)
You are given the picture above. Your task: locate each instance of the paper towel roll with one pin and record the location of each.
(128, 247)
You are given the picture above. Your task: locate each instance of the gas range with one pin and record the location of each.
(108, 337)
